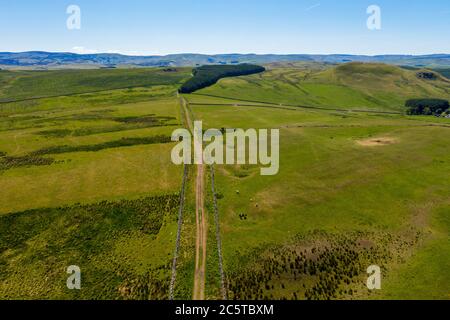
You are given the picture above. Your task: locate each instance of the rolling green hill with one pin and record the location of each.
(347, 86)
(369, 184)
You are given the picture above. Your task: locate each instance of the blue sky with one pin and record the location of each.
(226, 26)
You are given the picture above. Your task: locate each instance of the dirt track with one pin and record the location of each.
(201, 221)
(202, 232)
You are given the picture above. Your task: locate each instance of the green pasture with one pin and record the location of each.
(330, 181)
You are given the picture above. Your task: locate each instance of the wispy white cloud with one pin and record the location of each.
(313, 7)
(83, 50)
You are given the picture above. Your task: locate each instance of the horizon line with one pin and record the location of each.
(219, 54)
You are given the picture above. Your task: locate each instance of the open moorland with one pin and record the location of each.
(86, 179)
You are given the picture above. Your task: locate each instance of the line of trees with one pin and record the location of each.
(428, 107)
(206, 76)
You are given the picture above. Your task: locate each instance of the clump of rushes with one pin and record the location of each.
(7, 163)
(314, 267)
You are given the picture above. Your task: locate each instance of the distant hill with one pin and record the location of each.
(49, 60)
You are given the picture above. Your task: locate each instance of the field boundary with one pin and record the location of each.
(241, 105)
(301, 106)
(77, 94)
(180, 213)
(178, 241)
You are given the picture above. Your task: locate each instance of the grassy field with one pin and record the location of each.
(350, 86)
(122, 248)
(21, 85)
(86, 179)
(374, 184)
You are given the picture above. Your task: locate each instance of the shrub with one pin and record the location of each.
(427, 106)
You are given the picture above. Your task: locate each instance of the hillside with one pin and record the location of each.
(348, 86)
(444, 71)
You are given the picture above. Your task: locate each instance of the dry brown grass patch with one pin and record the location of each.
(376, 142)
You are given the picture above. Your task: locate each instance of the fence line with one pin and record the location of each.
(178, 241)
(219, 241)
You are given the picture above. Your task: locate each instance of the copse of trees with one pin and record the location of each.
(206, 76)
(427, 106)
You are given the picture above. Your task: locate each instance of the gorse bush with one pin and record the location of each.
(206, 76)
